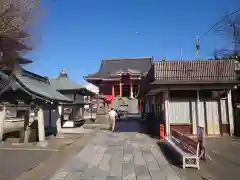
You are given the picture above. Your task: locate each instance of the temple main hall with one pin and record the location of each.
(120, 77)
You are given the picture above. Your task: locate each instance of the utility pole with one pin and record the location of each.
(236, 37)
(181, 54)
(197, 47)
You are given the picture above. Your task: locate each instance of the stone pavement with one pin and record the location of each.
(116, 156)
(225, 154)
(18, 159)
(14, 162)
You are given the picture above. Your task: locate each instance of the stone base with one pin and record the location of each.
(93, 126)
(42, 144)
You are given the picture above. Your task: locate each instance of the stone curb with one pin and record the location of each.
(46, 168)
(92, 126)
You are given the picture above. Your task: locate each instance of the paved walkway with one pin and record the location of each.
(15, 162)
(116, 156)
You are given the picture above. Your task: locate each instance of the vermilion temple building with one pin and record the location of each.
(120, 77)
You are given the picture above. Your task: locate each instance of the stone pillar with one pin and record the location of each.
(131, 90)
(2, 119)
(167, 120)
(113, 91)
(230, 112)
(59, 119)
(41, 131)
(120, 89)
(83, 112)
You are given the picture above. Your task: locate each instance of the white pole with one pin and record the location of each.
(58, 122)
(181, 53)
(230, 110)
(131, 90)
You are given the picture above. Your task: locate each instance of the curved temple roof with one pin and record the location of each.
(63, 83)
(110, 66)
(33, 84)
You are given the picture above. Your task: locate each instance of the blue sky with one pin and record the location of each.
(77, 34)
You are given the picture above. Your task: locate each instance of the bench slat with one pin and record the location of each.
(173, 143)
(186, 147)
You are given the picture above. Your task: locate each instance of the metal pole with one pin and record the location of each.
(181, 53)
(197, 47)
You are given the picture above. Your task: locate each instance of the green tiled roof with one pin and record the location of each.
(64, 83)
(39, 85)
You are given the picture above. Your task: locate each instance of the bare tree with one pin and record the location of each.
(229, 26)
(16, 18)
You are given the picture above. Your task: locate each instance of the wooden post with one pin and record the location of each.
(83, 110)
(50, 118)
(167, 120)
(131, 90)
(230, 112)
(2, 119)
(195, 121)
(120, 89)
(41, 131)
(113, 91)
(138, 89)
(26, 126)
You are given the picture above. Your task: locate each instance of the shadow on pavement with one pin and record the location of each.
(171, 156)
(129, 124)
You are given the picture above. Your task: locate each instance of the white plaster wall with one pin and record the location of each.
(185, 112)
(179, 112)
(212, 117)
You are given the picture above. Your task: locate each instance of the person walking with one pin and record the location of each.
(112, 116)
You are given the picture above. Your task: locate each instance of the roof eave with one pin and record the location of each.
(91, 78)
(182, 82)
(34, 94)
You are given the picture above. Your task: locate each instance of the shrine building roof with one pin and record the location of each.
(110, 67)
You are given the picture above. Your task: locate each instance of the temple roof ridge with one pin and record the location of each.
(127, 58)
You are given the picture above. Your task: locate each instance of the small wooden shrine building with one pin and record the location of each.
(73, 113)
(20, 88)
(186, 94)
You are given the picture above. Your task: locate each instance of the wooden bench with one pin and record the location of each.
(186, 147)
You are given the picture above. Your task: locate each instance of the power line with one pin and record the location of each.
(229, 15)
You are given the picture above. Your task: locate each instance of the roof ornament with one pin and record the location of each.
(164, 59)
(63, 73)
